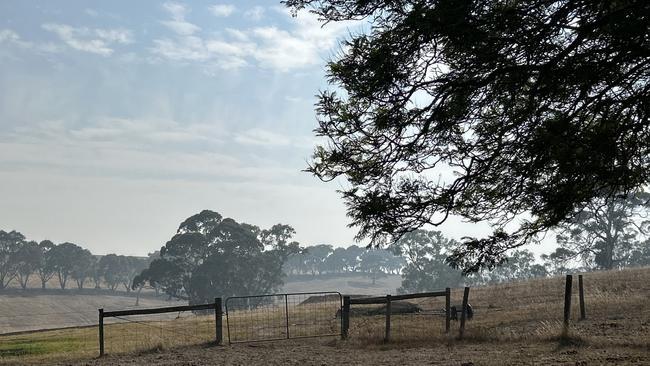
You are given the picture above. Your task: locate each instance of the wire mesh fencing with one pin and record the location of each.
(420, 319)
(283, 316)
(402, 318)
(160, 328)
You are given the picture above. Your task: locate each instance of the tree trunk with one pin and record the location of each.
(3, 280)
(23, 281)
(62, 280)
(43, 284)
(137, 297)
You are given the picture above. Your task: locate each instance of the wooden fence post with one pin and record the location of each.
(447, 309)
(345, 317)
(101, 332)
(581, 289)
(388, 311)
(286, 313)
(218, 318)
(567, 300)
(463, 313)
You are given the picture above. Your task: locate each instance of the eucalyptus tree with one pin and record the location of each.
(539, 108)
(68, 260)
(46, 269)
(214, 256)
(28, 259)
(10, 244)
(607, 232)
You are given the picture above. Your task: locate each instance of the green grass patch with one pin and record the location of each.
(30, 346)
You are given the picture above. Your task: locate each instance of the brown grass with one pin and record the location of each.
(515, 323)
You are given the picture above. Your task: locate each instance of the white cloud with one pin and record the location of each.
(237, 34)
(9, 36)
(223, 55)
(255, 13)
(178, 24)
(97, 41)
(181, 27)
(300, 46)
(222, 10)
(258, 136)
(282, 50)
(294, 99)
(177, 10)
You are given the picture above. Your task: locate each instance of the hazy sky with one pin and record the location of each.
(119, 119)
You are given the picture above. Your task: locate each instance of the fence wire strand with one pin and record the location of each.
(283, 316)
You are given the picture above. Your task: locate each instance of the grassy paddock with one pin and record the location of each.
(618, 317)
(616, 304)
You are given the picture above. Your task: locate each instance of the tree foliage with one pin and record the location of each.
(69, 260)
(324, 259)
(538, 107)
(606, 233)
(45, 270)
(28, 258)
(10, 243)
(426, 270)
(214, 256)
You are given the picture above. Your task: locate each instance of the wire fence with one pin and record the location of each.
(616, 308)
(137, 333)
(420, 319)
(283, 316)
(401, 318)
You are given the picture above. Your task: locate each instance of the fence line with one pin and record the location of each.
(120, 314)
(283, 316)
(389, 299)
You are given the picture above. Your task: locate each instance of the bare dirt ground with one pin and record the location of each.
(338, 353)
(36, 310)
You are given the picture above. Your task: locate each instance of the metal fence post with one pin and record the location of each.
(101, 332)
(388, 311)
(567, 300)
(345, 317)
(463, 314)
(447, 309)
(218, 320)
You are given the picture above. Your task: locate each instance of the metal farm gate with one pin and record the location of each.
(283, 316)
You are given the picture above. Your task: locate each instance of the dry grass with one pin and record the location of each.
(515, 323)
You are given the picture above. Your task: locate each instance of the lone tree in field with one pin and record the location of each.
(214, 256)
(491, 110)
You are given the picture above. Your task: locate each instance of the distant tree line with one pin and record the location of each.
(325, 259)
(213, 256)
(22, 259)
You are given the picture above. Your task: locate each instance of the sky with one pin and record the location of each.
(120, 119)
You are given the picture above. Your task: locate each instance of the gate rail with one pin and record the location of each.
(283, 316)
(388, 299)
(216, 306)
